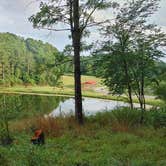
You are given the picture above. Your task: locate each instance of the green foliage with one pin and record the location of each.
(128, 55)
(158, 118)
(28, 61)
(127, 117)
(161, 91)
(159, 87)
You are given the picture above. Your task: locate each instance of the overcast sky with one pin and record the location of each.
(14, 18)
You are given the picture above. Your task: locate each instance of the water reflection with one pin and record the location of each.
(24, 106)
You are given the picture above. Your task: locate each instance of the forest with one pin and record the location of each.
(32, 62)
(27, 61)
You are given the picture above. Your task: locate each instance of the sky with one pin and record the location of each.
(15, 13)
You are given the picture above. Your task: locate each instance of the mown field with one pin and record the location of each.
(67, 88)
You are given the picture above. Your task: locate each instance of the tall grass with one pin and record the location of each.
(120, 120)
(125, 119)
(106, 139)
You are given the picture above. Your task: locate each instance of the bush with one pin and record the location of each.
(158, 118)
(161, 91)
(125, 119)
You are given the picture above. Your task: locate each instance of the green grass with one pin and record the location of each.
(102, 149)
(107, 139)
(68, 89)
(94, 144)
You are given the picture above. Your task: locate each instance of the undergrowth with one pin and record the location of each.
(107, 139)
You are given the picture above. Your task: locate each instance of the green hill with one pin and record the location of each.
(27, 61)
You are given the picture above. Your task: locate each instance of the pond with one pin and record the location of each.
(24, 106)
(91, 106)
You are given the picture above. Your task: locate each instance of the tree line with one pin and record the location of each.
(28, 61)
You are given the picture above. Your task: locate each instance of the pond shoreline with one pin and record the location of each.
(65, 93)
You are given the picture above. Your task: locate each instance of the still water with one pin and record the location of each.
(91, 106)
(24, 106)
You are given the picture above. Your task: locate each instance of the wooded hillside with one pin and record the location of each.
(27, 61)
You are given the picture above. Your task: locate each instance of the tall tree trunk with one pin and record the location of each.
(138, 91)
(142, 91)
(123, 41)
(142, 97)
(130, 96)
(77, 73)
(128, 85)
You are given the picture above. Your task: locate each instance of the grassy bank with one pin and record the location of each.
(68, 89)
(107, 139)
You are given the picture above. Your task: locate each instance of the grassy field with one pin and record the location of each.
(102, 141)
(67, 88)
(100, 149)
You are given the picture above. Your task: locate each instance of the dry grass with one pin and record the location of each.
(121, 127)
(59, 127)
(56, 127)
(22, 125)
(50, 126)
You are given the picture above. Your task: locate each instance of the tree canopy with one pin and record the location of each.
(28, 61)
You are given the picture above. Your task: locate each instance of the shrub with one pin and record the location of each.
(125, 119)
(158, 118)
(161, 91)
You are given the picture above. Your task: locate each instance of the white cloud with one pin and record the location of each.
(15, 13)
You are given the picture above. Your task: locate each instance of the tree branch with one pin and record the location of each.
(86, 22)
(96, 23)
(71, 15)
(61, 63)
(52, 29)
